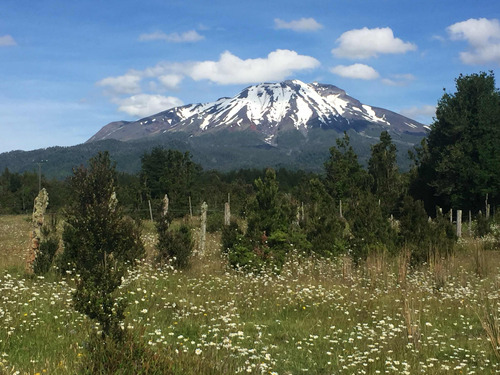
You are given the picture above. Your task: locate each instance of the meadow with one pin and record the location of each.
(318, 316)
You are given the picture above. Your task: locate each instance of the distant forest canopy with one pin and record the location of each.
(455, 166)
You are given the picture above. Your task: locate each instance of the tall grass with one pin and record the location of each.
(318, 316)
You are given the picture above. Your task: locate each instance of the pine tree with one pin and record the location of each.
(459, 162)
(99, 244)
(383, 169)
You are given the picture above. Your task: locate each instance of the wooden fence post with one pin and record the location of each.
(227, 214)
(203, 230)
(165, 205)
(150, 210)
(459, 223)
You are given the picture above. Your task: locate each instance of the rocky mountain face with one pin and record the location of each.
(269, 109)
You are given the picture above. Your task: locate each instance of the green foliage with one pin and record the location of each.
(425, 239)
(322, 224)
(266, 213)
(483, 226)
(129, 357)
(168, 172)
(231, 236)
(48, 248)
(175, 246)
(270, 234)
(215, 221)
(458, 164)
(383, 169)
(99, 243)
(345, 177)
(370, 230)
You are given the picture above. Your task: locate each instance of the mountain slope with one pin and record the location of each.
(289, 124)
(268, 109)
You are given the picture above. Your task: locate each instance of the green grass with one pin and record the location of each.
(213, 320)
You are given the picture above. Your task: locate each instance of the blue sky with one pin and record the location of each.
(67, 68)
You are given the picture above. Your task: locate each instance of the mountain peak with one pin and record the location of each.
(268, 108)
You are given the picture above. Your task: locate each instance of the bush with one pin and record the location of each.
(48, 248)
(45, 256)
(483, 226)
(129, 357)
(231, 235)
(424, 238)
(215, 221)
(175, 246)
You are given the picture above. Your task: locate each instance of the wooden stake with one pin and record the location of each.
(227, 213)
(203, 230)
(459, 223)
(150, 210)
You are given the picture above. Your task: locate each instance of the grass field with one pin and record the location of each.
(318, 316)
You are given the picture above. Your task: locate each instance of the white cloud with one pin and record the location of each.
(129, 83)
(7, 41)
(398, 80)
(365, 43)
(483, 37)
(188, 36)
(170, 81)
(304, 24)
(356, 71)
(143, 105)
(423, 114)
(230, 69)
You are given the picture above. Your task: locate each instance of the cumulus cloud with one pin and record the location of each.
(304, 24)
(356, 71)
(365, 43)
(230, 69)
(143, 105)
(422, 114)
(483, 37)
(188, 36)
(129, 83)
(7, 41)
(170, 81)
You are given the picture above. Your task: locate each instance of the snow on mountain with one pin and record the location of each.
(268, 108)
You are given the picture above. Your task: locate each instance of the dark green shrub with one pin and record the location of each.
(215, 221)
(483, 226)
(46, 254)
(426, 239)
(175, 246)
(370, 231)
(231, 236)
(48, 247)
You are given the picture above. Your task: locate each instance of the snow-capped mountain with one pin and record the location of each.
(268, 108)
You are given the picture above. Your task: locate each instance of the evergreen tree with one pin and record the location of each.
(459, 162)
(383, 169)
(345, 178)
(325, 229)
(168, 171)
(266, 213)
(99, 243)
